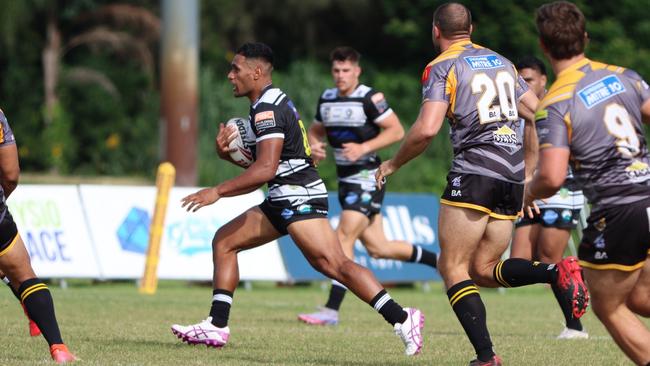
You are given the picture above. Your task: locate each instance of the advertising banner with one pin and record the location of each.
(51, 223)
(119, 219)
(409, 217)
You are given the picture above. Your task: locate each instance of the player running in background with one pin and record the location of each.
(296, 205)
(592, 117)
(545, 236)
(483, 97)
(14, 259)
(357, 122)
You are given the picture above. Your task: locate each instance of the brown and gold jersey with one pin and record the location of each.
(482, 89)
(594, 109)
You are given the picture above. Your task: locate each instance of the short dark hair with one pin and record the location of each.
(256, 50)
(561, 26)
(531, 62)
(453, 19)
(345, 53)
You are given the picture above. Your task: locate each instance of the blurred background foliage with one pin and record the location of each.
(79, 79)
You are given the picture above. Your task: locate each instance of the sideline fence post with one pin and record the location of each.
(164, 182)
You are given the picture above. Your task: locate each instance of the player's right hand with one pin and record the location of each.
(385, 169)
(224, 137)
(318, 151)
(530, 207)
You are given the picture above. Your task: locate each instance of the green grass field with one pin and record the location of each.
(111, 324)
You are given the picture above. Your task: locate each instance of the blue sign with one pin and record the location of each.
(601, 90)
(409, 217)
(483, 62)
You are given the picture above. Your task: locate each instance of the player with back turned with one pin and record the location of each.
(592, 118)
(483, 97)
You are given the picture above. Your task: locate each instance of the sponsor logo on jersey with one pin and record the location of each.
(286, 214)
(599, 242)
(601, 90)
(351, 198)
(366, 197)
(483, 62)
(638, 171)
(566, 215)
(456, 182)
(425, 74)
(304, 209)
(264, 120)
(505, 136)
(380, 103)
(541, 114)
(600, 255)
(549, 216)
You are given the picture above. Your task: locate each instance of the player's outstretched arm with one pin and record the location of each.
(425, 128)
(260, 172)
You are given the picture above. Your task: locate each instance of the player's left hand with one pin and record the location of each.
(353, 151)
(385, 169)
(204, 197)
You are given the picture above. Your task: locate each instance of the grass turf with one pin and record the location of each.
(111, 324)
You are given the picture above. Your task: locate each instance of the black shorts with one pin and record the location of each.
(561, 218)
(281, 213)
(617, 238)
(497, 198)
(8, 232)
(353, 197)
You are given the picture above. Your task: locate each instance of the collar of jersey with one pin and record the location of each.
(574, 67)
(459, 45)
(264, 90)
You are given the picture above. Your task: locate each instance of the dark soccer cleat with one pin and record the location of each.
(494, 361)
(571, 285)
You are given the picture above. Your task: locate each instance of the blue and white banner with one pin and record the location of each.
(409, 217)
(97, 231)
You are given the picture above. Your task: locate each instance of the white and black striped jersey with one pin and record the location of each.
(352, 118)
(273, 115)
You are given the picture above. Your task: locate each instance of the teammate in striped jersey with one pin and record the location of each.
(357, 122)
(592, 118)
(296, 205)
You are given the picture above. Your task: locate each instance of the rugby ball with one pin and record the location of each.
(242, 153)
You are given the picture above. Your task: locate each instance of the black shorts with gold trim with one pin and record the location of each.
(8, 232)
(497, 198)
(282, 213)
(617, 237)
